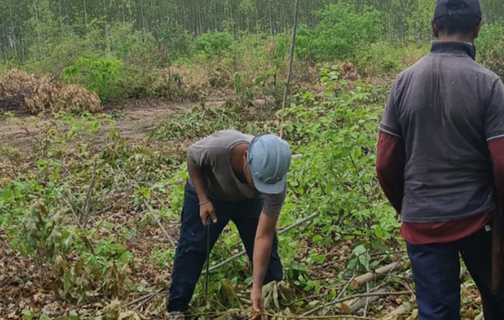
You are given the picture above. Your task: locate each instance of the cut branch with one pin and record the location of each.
(238, 255)
(362, 302)
(147, 297)
(170, 239)
(337, 298)
(71, 208)
(87, 204)
(370, 276)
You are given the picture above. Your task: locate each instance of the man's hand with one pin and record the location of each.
(206, 210)
(257, 305)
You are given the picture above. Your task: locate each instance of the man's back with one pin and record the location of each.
(440, 107)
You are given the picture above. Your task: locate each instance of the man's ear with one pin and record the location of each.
(435, 31)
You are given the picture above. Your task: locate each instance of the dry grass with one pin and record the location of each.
(25, 92)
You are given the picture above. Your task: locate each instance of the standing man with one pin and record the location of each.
(238, 177)
(440, 158)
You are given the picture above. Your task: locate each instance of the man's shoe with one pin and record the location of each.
(175, 315)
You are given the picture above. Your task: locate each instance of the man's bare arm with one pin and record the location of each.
(262, 249)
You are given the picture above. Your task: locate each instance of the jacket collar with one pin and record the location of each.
(452, 47)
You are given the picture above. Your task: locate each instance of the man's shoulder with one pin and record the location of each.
(462, 64)
(230, 136)
(413, 69)
(427, 63)
(223, 139)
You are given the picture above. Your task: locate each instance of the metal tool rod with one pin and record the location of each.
(209, 222)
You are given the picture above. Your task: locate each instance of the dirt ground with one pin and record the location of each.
(134, 119)
(19, 279)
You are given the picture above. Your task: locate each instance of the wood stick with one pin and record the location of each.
(397, 311)
(343, 291)
(147, 296)
(291, 60)
(373, 294)
(335, 316)
(361, 303)
(370, 276)
(170, 239)
(71, 208)
(236, 256)
(147, 299)
(337, 298)
(87, 206)
(282, 231)
(367, 301)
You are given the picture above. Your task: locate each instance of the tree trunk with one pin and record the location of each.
(13, 30)
(60, 18)
(106, 31)
(291, 60)
(85, 14)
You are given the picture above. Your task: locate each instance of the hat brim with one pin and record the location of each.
(276, 188)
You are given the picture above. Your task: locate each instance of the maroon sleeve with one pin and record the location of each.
(496, 147)
(390, 162)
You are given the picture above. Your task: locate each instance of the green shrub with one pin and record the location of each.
(343, 33)
(100, 76)
(214, 43)
(490, 48)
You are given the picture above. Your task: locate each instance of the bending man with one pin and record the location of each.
(238, 177)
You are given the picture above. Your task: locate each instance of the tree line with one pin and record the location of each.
(28, 27)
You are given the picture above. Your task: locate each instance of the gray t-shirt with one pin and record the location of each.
(445, 108)
(213, 155)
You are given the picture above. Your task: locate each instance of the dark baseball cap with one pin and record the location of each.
(446, 8)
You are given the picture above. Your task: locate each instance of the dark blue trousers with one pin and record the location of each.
(436, 269)
(191, 249)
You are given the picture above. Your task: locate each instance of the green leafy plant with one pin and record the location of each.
(100, 76)
(342, 33)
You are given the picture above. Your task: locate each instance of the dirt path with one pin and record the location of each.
(134, 119)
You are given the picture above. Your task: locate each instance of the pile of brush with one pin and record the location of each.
(23, 92)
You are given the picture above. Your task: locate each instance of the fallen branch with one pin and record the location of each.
(114, 204)
(386, 277)
(370, 276)
(364, 295)
(170, 239)
(337, 298)
(149, 296)
(214, 315)
(282, 231)
(396, 312)
(238, 255)
(300, 222)
(147, 299)
(367, 301)
(362, 302)
(71, 208)
(335, 316)
(87, 206)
